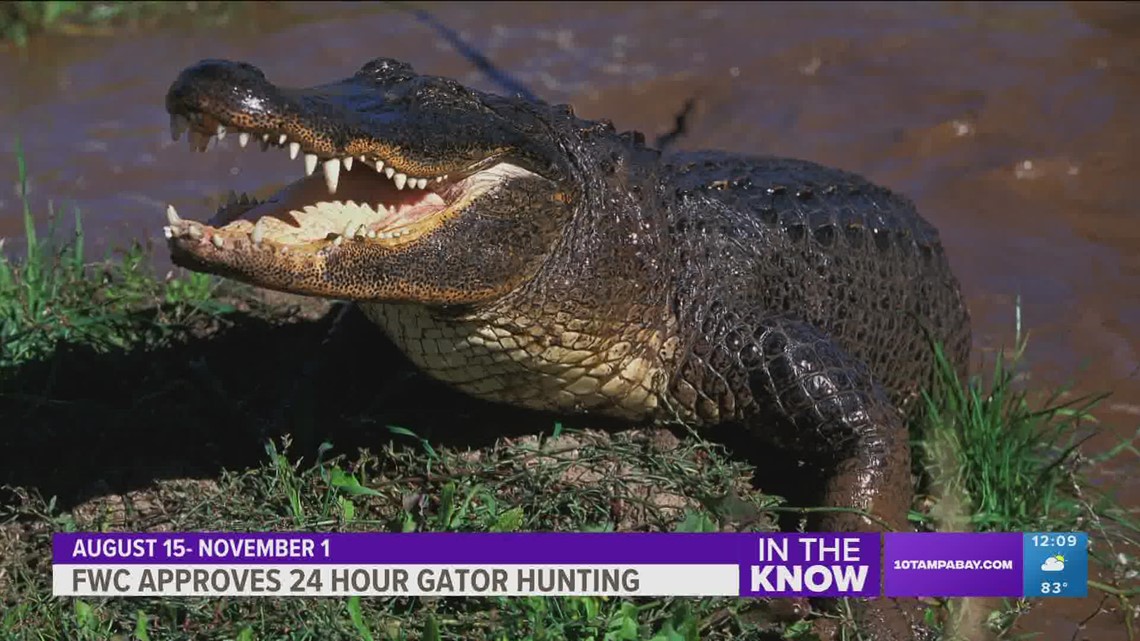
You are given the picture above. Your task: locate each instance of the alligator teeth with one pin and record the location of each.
(361, 158)
(379, 166)
(389, 172)
(258, 231)
(221, 132)
(281, 140)
(440, 178)
(264, 142)
(338, 240)
(310, 164)
(294, 149)
(395, 233)
(168, 232)
(264, 137)
(347, 163)
(400, 179)
(243, 139)
(172, 216)
(178, 125)
(361, 231)
(197, 140)
(349, 229)
(423, 183)
(218, 241)
(194, 231)
(332, 174)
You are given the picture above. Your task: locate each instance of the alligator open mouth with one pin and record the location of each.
(350, 198)
(414, 189)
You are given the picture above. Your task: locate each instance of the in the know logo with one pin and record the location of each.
(812, 566)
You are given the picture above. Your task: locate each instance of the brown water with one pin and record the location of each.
(1014, 127)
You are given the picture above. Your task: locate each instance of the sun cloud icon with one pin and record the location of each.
(1053, 564)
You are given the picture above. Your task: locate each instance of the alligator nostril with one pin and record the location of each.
(252, 69)
(227, 85)
(386, 68)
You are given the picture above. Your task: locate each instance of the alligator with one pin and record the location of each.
(527, 256)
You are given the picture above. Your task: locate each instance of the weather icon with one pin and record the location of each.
(1054, 563)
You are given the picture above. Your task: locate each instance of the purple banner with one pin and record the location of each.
(771, 564)
(410, 548)
(951, 564)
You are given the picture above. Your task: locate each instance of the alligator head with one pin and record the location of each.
(415, 189)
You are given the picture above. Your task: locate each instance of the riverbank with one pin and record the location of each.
(22, 20)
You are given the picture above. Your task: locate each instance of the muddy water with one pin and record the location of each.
(1016, 128)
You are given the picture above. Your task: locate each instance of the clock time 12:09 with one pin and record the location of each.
(1055, 540)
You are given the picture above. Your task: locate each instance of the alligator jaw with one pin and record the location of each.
(415, 188)
(349, 206)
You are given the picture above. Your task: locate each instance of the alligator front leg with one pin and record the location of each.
(795, 389)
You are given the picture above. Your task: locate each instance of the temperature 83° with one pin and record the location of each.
(1053, 587)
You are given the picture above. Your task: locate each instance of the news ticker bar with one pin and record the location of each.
(864, 565)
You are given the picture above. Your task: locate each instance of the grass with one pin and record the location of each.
(133, 402)
(21, 20)
(1012, 464)
(995, 461)
(53, 296)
